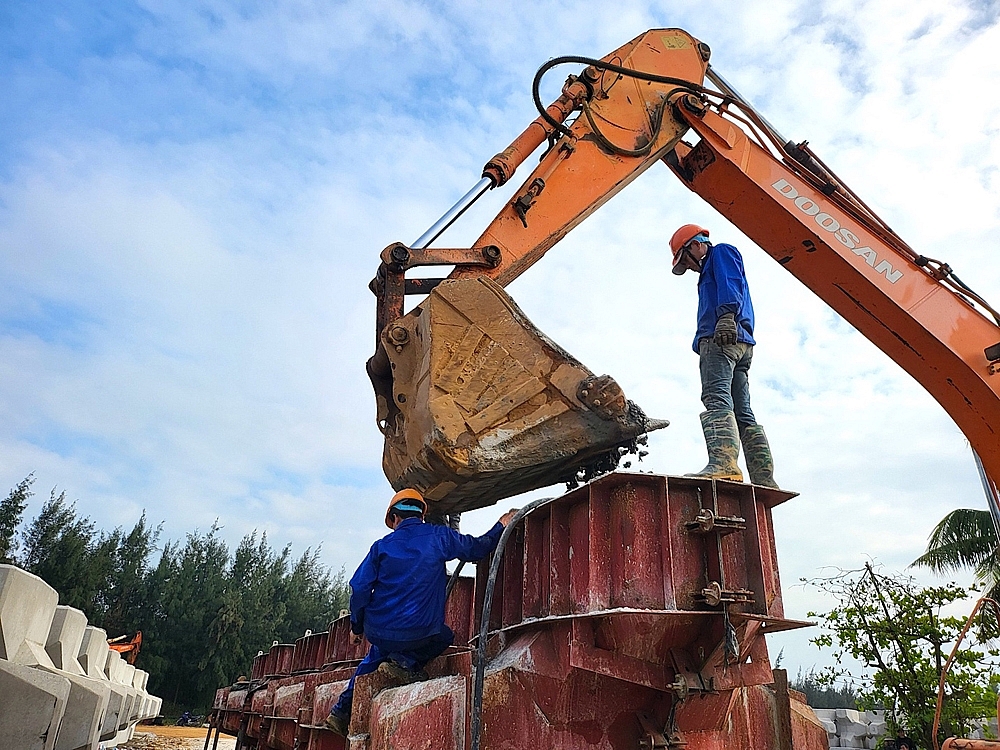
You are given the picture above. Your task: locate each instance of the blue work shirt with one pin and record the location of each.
(722, 288)
(398, 592)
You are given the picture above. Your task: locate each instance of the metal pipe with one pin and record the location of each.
(453, 213)
(732, 93)
(992, 499)
(479, 657)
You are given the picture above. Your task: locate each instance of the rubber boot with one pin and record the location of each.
(722, 440)
(758, 455)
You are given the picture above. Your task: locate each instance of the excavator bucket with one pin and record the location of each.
(485, 406)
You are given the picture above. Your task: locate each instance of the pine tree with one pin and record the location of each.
(191, 583)
(59, 547)
(11, 513)
(314, 598)
(125, 598)
(204, 611)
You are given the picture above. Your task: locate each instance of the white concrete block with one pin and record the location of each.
(93, 657)
(93, 654)
(64, 639)
(32, 705)
(84, 718)
(127, 675)
(89, 698)
(113, 669)
(847, 728)
(27, 605)
(55, 643)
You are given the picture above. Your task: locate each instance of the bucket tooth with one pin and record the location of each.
(486, 406)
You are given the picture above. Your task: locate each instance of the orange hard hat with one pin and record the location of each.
(680, 238)
(407, 497)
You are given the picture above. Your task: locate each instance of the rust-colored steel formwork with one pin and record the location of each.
(628, 613)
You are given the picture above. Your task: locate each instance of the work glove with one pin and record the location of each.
(725, 330)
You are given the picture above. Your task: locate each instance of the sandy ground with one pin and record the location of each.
(175, 738)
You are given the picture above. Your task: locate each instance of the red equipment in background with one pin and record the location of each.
(126, 646)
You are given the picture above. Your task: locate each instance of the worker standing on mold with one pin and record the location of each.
(724, 343)
(398, 595)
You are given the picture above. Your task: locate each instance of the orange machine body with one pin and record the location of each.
(127, 646)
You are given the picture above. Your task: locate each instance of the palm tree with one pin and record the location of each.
(965, 538)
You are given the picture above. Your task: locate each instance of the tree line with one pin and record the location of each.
(204, 610)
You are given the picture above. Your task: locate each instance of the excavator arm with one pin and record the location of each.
(476, 404)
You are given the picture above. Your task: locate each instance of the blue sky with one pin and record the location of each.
(193, 196)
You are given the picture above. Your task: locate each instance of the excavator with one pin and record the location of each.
(631, 612)
(127, 646)
(476, 404)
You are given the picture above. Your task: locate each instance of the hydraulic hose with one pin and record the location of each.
(728, 93)
(454, 579)
(601, 65)
(484, 626)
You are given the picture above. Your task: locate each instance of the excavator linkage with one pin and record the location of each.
(485, 406)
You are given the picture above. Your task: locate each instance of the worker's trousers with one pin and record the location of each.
(725, 383)
(410, 655)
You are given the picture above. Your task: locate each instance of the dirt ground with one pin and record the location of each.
(175, 738)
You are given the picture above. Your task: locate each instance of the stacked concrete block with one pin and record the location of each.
(984, 729)
(56, 689)
(144, 707)
(156, 703)
(92, 657)
(127, 676)
(139, 683)
(32, 702)
(846, 727)
(116, 670)
(113, 669)
(139, 705)
(89, 698)
(151, 704)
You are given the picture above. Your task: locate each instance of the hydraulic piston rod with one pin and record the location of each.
(452, 214)
(501, 167)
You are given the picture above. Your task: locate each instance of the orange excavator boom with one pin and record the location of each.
(474, 404)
